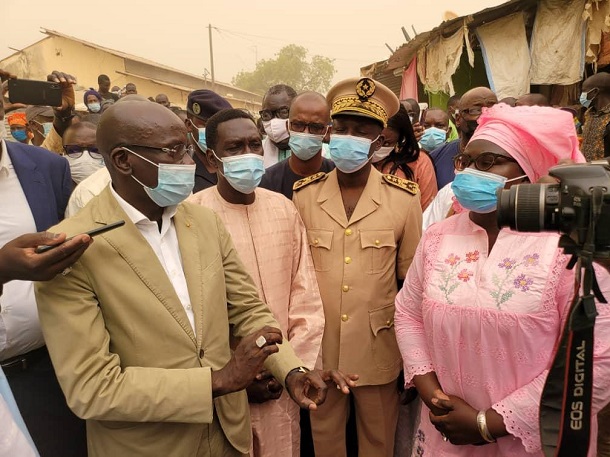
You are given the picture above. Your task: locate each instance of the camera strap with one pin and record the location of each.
(565, 406)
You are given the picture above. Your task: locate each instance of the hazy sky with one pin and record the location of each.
(175, 33)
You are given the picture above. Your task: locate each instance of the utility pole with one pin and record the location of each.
(211, 56)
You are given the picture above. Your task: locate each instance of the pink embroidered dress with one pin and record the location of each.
(486, 324)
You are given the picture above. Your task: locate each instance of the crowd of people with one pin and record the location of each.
(324, 278)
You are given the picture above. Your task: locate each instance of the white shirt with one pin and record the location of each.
(166, 247)
(15, 439)
(439, 208)
(86, 190)
(19, 327)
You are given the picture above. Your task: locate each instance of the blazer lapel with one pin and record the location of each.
(34, 187)
(191, 264)
(131, 245)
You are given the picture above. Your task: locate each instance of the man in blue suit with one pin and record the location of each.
(35, 185)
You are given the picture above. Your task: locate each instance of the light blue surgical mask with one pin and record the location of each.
(243, 172)
(94, 107)
(350, 153)
(19, 135)
(46, 128)
(175, 182)
(201, 143)
(584, 101)
(305, 145)
(477, 190)
(433, 138)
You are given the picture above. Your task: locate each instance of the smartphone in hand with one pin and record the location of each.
(32, 92)
(92, 233)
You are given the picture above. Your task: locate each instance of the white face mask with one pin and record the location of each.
(276, 129)
(84, 166)
(382, 153)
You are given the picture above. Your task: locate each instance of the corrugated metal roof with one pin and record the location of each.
(407, 51)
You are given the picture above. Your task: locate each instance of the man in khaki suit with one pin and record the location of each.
(363, 228)
(138, 328)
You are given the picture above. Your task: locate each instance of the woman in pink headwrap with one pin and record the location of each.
(482, 308)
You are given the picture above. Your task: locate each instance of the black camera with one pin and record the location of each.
(578, 205)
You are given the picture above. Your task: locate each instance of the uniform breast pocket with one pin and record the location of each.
(379, 250)
(320, 242)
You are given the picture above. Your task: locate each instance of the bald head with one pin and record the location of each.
(532, 100)
(599, 81)
(478, 96)
(136, 121)
(311, 102)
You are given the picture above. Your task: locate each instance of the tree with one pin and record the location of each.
(290, 66)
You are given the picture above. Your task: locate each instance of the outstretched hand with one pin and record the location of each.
(19, 260)
(308, 390)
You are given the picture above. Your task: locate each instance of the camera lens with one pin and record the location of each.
(528, 207)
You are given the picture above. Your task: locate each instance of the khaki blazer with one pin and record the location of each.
(358, 265)
(124, 351)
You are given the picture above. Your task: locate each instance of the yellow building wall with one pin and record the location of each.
(86, 63)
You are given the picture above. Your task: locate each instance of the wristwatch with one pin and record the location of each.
(296, 370)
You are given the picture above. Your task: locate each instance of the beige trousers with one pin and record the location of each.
(376, 409)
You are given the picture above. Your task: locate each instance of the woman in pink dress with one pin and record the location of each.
(400, 155)
(482, 308)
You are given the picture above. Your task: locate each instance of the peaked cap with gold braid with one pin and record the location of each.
(363, 97)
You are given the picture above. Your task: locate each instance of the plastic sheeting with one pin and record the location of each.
(499, 39)
(408, 88)
(557, 45)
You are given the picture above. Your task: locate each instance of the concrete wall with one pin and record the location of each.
(86, 63)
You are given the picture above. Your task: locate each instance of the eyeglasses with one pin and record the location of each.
(314, 128)
(282, 113)
(176, 153)
(476, 110)
(482, 162)
(75, 151)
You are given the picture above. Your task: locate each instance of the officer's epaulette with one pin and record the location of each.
(401, 183)
(308, 180)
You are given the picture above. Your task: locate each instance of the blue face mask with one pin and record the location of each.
(19, 135)
(175, 182)
(432, 138)
(243, 172)
(305, 145)
(476, 190)
(201, 143)
(350, 153)
(584, 101)
(94, 107)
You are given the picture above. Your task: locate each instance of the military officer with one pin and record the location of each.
(363, 228)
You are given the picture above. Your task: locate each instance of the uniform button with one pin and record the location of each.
(348, 232)
(189, 307)
(377, 242)
(345, 288)
(348, 260)
(388, 322)
(316, 241)
(344, 317)
(201, 353)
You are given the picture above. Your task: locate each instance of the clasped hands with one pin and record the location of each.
(245, 370)
(456, 420)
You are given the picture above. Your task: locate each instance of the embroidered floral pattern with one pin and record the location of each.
(521, 283)
(472, 256)
(465, 275)
(452, 278)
